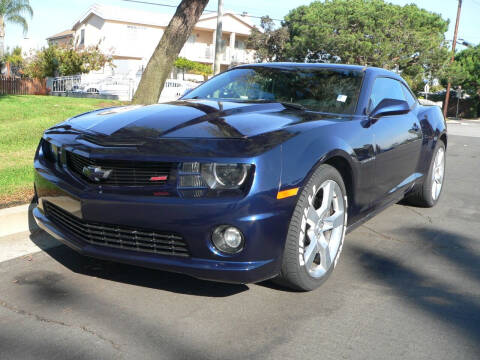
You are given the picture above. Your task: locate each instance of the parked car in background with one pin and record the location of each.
(257, 173)
(110, 86)
(92, 90)
(175, 88)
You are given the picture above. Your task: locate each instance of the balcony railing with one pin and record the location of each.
(206, 52)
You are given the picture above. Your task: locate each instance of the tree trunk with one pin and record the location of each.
(2, 36)
(167, 50)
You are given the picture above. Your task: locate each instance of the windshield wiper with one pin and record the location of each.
(292, 105)
(286, 104)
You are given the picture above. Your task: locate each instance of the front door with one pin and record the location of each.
(398, 142)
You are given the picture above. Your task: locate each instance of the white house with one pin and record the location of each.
(132, 35)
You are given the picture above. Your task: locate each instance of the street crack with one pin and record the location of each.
(42, 319)
(426, 217)
(379, 233)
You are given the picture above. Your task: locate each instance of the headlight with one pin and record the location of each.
(215, 176)
(224, 176)
(51, 151)
(55, 152)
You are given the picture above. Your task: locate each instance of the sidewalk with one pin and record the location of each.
(20, 235)
(16, 219)
(455, 120)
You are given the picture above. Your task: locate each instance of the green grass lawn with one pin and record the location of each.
(23, 119)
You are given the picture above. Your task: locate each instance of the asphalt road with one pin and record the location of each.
(407, 287)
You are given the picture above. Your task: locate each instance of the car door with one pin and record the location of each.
(398, 141)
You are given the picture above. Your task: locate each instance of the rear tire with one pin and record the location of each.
(428, 193)
(316, 231)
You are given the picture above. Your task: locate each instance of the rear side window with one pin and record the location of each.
(408, 95)
(385, 88)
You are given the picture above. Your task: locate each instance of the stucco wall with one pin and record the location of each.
(130, 40)
(203, 36)
(132, 45)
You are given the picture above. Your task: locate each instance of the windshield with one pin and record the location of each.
(324, 90)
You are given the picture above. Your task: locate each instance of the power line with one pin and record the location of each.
(158, 4)
(476, 2)
(447, 94)
(218, 38)
(206, 10)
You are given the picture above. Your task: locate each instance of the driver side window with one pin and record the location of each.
(245, 87)
(385, 88)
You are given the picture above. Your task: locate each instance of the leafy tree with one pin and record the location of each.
(202, 69)
(194, 67)
(72, 62)
(15, 59)
(13, 11)
(167, 50)
(465, 71)
(369, 32)
(184, 65)
(268, 43)
(43, 63)
(64, 61)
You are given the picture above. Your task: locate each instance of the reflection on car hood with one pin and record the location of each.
(191, 119)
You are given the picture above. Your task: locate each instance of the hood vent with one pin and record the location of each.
(108, 141)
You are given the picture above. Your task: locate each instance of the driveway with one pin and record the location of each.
(407, 287)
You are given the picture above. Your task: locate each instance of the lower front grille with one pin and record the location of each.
(116, 236)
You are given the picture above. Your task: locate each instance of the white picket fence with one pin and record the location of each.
(65, 83)
(174, 88)
(117, 87)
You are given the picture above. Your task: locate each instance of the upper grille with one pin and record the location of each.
(117, 236)
(124, 173)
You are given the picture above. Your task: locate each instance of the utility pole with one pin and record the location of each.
(454, 43)
(218, 38)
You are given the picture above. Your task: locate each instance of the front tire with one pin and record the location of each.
(316, 231)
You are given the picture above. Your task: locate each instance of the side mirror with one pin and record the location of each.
(390, 107)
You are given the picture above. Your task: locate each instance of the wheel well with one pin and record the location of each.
(444, 139)
(343, 167)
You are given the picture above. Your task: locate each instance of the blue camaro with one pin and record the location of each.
(256, 174)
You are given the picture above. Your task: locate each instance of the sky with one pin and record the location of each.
(53, 16)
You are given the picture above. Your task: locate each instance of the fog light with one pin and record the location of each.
(228, 239)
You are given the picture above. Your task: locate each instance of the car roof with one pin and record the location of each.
(293, 65)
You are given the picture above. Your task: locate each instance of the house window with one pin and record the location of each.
(82, 37)
(191, 39)
(239, 44)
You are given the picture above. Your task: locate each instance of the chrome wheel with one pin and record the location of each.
(438, 171)
(324, 228)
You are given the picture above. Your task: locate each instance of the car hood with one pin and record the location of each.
(191, 119)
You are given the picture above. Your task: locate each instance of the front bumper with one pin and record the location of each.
(217, 270)
(261, 219)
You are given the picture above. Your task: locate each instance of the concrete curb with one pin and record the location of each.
(16, 219)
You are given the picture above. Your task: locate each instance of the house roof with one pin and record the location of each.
(243, 18)
(66, 33)
(116, 13)
(128, 15)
